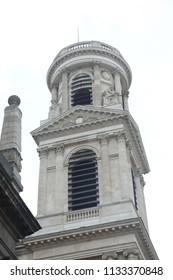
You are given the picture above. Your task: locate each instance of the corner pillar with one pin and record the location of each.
(41, 206)
(139, 181)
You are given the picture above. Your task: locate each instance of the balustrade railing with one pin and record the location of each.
(87, 44)
(82, 215)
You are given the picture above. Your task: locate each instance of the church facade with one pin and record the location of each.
(91, 201)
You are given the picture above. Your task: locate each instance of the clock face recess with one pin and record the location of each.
(79, 120)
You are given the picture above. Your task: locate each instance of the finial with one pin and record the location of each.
(14, 100)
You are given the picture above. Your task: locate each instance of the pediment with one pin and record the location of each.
(75, 118)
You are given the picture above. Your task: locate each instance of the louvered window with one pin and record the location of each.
(83, 180)
(81, 90)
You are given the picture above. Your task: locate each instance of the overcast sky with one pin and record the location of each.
(32, 32)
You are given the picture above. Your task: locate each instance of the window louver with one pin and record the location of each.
(82, 180)
(81, 90)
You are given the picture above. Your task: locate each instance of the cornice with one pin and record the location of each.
(93, 118)
(62, 57)
(135, 226)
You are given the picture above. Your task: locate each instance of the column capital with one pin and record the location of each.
(96, 62)
(43, 151)
(103, 139)
(110, 256)
(59, 149)
(133, 254)
(65, 71)
(121, 135)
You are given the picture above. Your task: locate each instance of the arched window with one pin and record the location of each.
(81, 90)
(82, 180)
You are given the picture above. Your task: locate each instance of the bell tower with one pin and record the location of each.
(92, 160)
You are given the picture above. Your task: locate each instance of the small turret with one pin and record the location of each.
(10, 142)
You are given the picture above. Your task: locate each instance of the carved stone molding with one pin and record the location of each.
(142, 181)
(59, 149)
(43, 152)
(132, 254)
(13, 157)
(110, 256)
(120, 136)
(103, 139)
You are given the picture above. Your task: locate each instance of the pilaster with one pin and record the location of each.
(41, 206)
(106, 182)
(97, 98)
(123, 165)
(118, 86)
(125, 98)
(59, 196)
(65, 92)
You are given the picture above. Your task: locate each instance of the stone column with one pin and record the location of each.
(65, 93)
(104, 144)
(59, 187)
(123, 165)
(118, 87)
(125, 96)
(97, 98)
(42, 185)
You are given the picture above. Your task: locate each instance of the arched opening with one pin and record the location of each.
(82, 180)
(81, 90)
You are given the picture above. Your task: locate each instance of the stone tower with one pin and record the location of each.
(90, 199)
